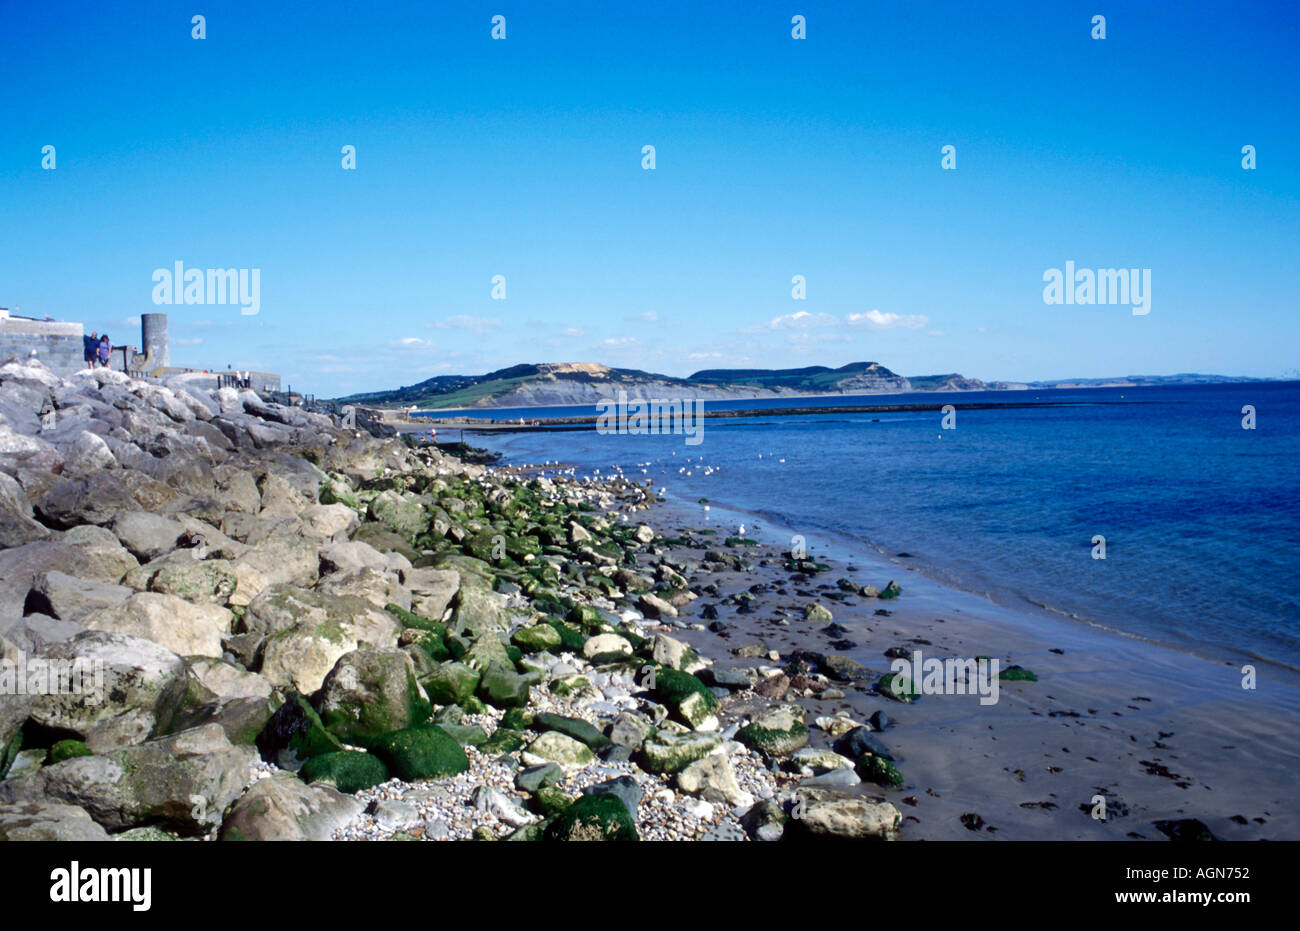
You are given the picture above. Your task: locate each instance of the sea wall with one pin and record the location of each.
(57, 344)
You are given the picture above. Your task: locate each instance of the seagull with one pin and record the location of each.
(740, 530)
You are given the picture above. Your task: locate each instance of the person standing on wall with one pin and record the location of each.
(105, 350)
(90, 345)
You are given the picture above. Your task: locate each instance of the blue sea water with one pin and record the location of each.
(1201, 517)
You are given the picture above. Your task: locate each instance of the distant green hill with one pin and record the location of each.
(547, 384)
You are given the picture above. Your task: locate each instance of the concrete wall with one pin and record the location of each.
(57, 344)
(264, 381)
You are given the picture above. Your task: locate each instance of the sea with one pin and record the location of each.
(1169, 513)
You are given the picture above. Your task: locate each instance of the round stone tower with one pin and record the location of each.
(153, 338)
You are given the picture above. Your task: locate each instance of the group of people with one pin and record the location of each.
(98, 349)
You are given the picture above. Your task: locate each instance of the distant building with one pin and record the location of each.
(59, 345)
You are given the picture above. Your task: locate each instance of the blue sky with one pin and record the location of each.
(774, 158)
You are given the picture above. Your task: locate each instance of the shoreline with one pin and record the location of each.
(325, 634)
(1179, 692)
(845, 548)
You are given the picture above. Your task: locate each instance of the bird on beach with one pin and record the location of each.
(740, 531)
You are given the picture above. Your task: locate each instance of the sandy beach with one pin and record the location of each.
(1163, 735)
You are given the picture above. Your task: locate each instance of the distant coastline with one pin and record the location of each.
(542, 385)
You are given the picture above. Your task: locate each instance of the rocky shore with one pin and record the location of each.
(290, 630)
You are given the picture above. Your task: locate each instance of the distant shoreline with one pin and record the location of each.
(487, 411)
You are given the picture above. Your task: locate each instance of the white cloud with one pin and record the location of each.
(649, 316)
(802, 320)
(619, 341)
(705, 355)
(875, 320)
(410, 342)
(937, 333)
(187, 341)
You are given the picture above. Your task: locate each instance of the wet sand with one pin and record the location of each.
(1162, 734)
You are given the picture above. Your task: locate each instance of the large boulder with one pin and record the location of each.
(713, 778)
(147, 536)
(600, 817)
(426, 752)
(378, 586)
(285, 557)
(85, 552)
(405, 517)
(294, 734)
(849, 817)
(17, 523)
(305, 633)
(369, 693)
(351, 556)
(778, 731)
(432, 590)
(182, 783)
(184, 574)
(329, 521)
(185, 628)
(142, 688)
(93, 500)
(227, 681)
(666, 752)
(71, 599)
(451, 683)
(283, 808)
(477, 611)
(45, 820)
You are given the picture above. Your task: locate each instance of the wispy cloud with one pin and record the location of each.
(875, 320)
(410, 342)
(648, 316)
(801, 320)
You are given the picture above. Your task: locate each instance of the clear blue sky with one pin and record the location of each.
(775, 157)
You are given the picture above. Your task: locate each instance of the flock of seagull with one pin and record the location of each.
(644, 467)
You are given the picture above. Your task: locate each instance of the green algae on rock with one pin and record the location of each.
(593, 817)
(348, 771)
(425, 752)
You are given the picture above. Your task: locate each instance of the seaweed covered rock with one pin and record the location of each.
(369, 693)
(348, 771)
(593, 817)
(897, 687)
(576, 728)
(503, 687)
(535, 638)
(426, 752)
(778, 731)
(687, 697)
(669, 753)
(451, 683)
(295, 734)
(183, 782)
(879, 770)
(143, 687)
(554, 747)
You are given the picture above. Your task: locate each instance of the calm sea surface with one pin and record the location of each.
(1201, 517)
